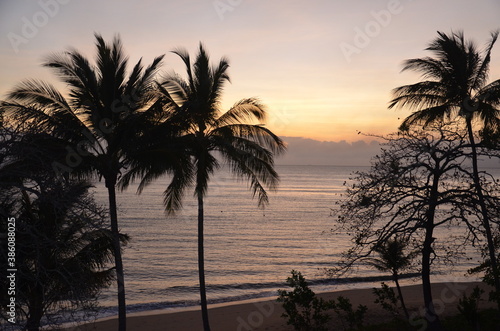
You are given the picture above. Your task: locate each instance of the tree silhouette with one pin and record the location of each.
(194, 106)
(455, 85)
(392, 258)
(98, 120)
(62, 244)
(418, 182)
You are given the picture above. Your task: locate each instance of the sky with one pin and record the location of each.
(324, 68)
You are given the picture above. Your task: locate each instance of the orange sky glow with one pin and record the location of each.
(325, 69)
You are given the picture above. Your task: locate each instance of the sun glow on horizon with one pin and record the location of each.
(292, 59)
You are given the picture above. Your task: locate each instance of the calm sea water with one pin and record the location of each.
(249, 251)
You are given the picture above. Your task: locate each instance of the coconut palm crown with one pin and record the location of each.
(207, 136)
(98, 120)
(455, 86)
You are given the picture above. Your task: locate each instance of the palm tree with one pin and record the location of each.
(63, 250)
(393, 259)
(63, 246)
(455, 85)
(248, 148)
(98, 120)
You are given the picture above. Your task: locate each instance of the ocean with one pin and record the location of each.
(249, 251)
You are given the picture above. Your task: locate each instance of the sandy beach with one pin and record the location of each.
(265, 314)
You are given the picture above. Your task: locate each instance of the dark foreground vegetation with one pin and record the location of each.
(304, 310)
(426, 179)
(115, 124)
(119, 124)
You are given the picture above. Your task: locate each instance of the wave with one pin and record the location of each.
(255, 291)
(265, 285)
(258, 290)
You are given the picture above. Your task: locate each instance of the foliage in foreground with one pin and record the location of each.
(349, 318)
(62, 247)
(306, 312)
(387, 299)
(302, 308)
(486, 269)
(420, 182)
(468, 306)
(98, 118)
(489, 321)
(392, 258)
(455, 85)
(206, 136)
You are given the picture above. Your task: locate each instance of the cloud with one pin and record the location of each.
(303, 151)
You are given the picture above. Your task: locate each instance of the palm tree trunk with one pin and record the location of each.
(120, 280)
(201, 265)
(396, 280)
(484, 212)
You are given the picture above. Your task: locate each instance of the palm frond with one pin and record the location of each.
(182, 179)
(184, 55)
(152, 70)
(219, 78)
(203, 76)
(256, 133)
(175, 89)
(38, 92)
(427, 67)
(244, 110)
(377, 263)
(42, 104)
(111, 64)
(74, 69)
(140, 84)
(133, 78)
(148, 165)
(427, 116)
(243, 146)
(258, 173)
(481, 74)
(490, 93)
(489, 116)
(204, 166)
(422, 94)
(249, 160)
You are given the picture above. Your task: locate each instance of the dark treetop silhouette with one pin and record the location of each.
(235, 135)
(456, 85)
(98, 121)
(417, 184)
(62, 246)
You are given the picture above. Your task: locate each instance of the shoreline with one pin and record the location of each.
(317, 285)
(265, 313)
